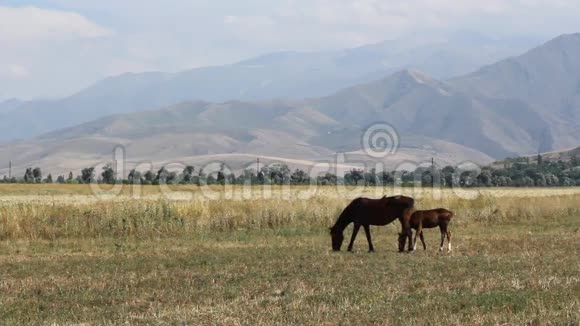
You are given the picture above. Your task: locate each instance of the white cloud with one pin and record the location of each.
(73, 43)
(13, 71)
(29, 24)
(332, 23)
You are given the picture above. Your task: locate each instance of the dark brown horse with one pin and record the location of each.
(426, 219)
(366, 212)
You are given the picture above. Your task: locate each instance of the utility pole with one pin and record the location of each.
(257, 166)
(10, 170)
(432, 172)
(115, 165)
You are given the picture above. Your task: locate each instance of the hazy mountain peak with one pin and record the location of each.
(546, 78)
(417, 76)
(564, 39)
(565, 43)
(413, 78)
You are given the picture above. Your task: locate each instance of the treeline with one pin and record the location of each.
(513, 172)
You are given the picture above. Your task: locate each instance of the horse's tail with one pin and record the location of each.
(449, 214)
(411, 203)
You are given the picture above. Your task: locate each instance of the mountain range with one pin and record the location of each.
(520, 105)
(276, 75)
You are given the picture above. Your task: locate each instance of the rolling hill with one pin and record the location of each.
(198, 132)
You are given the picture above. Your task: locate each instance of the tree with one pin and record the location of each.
(261, 178)
(149, 177)
(48, 178)
(299, 177)
(427, 179)
(87, 175)
(353, 177)
(221, 178)
(552, 180)
(70, 178)
(467, 179)
(447, 175)
(60, 179)
(231, 178)
(134, 177)
(328, 179)
(108, 174)
(187, 174)
(527, 182)
(501, 181)
(28, 176)
(37, 175)
(567, 182)
(371, 177)
(540, 180)
(248, 176)
(276, 173)
(201, 176)
(574, 160)
(172, 178)
(162, 174)
(484, 178)
(210, 180)
(387, 178)
(407, 178)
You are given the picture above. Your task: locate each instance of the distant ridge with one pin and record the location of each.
(511, 108)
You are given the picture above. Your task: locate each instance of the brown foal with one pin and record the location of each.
(426, 219)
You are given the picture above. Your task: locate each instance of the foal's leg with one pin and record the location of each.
(423, 240)
(354, 232)
(368, 233)
(418, 232)
(448, 240)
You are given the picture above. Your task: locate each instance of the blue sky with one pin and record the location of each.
(52, 48)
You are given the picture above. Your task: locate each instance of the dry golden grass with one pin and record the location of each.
(68, 257)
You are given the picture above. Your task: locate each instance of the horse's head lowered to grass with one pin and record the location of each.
(337, 238)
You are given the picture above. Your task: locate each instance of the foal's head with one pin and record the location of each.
(337, 238)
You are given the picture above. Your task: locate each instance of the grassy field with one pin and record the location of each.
(67, 257)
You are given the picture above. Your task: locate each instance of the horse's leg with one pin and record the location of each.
(354, 232)
(448, 240)
(402, 236)
(410, 238)
(406, 227)
(443, 230)
(423, 240)
(368, 233)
